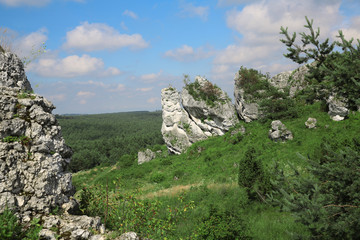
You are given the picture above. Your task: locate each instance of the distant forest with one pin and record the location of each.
(104, 139)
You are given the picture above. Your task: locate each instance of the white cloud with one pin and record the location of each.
(118, 88)
(57, 97)
(151, 77)
(17, 3)
(187, 54)
(153, 100)
(258, 24)
(144, 89)
(85, 94)
(189, 10)
(352, 30)
(31, 45)
(130, 14)
(98, 36)
(71, 66)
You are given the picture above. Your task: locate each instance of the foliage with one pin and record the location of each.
(105, 139)
(329, 202)
(252, 175)
(126, 212)
(222, 226)
(26, 94)
(209, 92)
(333, 70)
(273, 103)
(12, 230)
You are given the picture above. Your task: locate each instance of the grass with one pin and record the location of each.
(207, 174)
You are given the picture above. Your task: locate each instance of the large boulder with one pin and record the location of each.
(279, 132)
(337, 108)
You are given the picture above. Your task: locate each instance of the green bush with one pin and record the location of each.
(209, 93)
(252, 175)
(10, 229)
(328, 203)
(333, 70)
(157, 177)
(221, 226)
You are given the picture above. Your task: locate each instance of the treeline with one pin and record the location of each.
(103, 139)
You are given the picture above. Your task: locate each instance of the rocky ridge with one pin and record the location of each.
(34, 158)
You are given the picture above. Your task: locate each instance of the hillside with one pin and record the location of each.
(105, 138)
(206, 178)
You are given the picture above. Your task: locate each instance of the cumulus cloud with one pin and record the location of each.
(144, 89)
(187, 54)
(130, 14)
(71, 66)
(99, 36)
(190, 10)
(352, 30)
(29, 46)
(258, 24)
(17, 3)
(150, 77)
(85, 94)
(153, 100)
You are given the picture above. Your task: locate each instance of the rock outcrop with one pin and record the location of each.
(33, 155)
(279, 132)
(145, 156)
(311, 123)
(188, 119)
(337, 108)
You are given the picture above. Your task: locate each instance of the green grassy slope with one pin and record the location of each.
(207, 174)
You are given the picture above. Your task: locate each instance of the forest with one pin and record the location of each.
(102, 139)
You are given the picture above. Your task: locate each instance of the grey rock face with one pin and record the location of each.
(294, 80)
(145, 156)
(213, 120)
(279, 132)
(34, 157)
(178, 130)
(12, 73)
(311, 123)
(187, 120)
(337, 108)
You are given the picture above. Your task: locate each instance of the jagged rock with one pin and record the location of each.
(178, 130)
(129, 236)
(145, 156)
(294, 80)
(12, 73)
(311, 123)
(34, 158)
(214, 120)
(194, 119)
(279, 132)
(337, 108)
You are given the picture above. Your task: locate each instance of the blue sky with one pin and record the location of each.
(115, 56)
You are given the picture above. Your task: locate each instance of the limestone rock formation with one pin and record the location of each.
(279, 132)
(214, 120)
(337, 108)
(33, 155)
(294, 80)
(178, 130)
(188, 119)
(145, 156)
(311, 123)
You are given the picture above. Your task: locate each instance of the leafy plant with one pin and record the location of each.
(252, 175)
(333, 70)
(209, 92)
(11, 229)
(328, 203)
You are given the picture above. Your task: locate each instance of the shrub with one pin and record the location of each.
(328, 203)
(157, 177)
(10, 229)
(333, 70)
(252, 175)
(209, 93)
(221, 225)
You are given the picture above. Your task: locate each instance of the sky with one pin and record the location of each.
(92, 56)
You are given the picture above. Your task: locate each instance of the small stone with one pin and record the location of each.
(311, 123)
